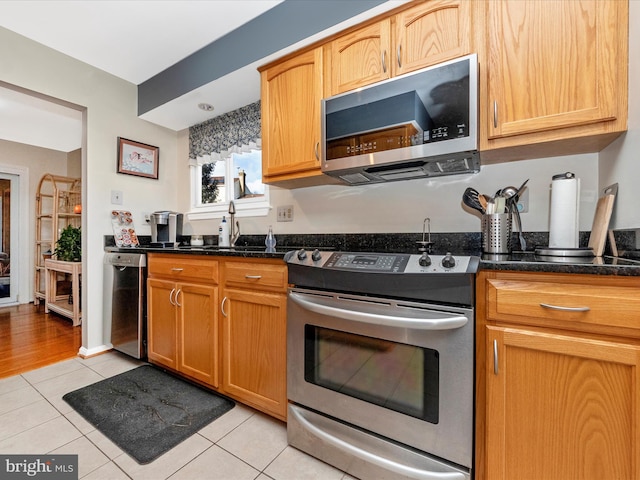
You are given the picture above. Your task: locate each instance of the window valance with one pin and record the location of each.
(233, 132)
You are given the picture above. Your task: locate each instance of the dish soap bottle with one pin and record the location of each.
(223, 233)
(270, 241)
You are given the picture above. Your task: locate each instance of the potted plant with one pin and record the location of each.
(69, 245)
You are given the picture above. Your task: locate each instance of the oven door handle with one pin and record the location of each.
(390, 465)
(450, 322)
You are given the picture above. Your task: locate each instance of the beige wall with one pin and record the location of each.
(37, 161)
(74, 164)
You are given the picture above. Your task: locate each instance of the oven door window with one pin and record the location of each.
(400, 377)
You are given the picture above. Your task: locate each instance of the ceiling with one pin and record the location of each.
(133, 40)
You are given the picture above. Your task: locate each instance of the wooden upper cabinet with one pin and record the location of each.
(425, 34)
(291, 92)
(552, 65)
(431, 32)
(361, 57)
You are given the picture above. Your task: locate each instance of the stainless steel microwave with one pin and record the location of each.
(422, 124)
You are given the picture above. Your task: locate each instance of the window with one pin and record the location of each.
(237, 178)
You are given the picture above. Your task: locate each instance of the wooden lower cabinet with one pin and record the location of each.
(236, 344)
(558, 377)
(162, 325)
(254, 344)
(560, 407)
(183, 328)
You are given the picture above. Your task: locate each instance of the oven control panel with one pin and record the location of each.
(385, 262)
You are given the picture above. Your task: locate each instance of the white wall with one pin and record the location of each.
(620, 162)
(400, 207)
(110, 105)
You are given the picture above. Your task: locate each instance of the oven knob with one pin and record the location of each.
(448, 261)
(302, 254)
(316, 255)
(424, 260)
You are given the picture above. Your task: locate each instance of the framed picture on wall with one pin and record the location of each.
(135, 158)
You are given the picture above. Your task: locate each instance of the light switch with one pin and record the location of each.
(116, 197)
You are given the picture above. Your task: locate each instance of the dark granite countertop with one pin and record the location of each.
(246, 252)
(529, 262)
(627, 263)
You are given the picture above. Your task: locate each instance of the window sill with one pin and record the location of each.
(217, 212)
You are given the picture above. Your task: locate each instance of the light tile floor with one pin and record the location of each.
(243, 444)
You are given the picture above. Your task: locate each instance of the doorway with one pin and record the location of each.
(14, 243)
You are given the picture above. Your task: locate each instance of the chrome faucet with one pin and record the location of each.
(234, 231)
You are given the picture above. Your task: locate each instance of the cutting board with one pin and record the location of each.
(601, 220)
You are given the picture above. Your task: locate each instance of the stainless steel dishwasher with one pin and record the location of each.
(125, 276)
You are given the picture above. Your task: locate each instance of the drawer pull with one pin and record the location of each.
(253, 277)
(176, 269)
(565, 309)
(495, 357)
(222, 306)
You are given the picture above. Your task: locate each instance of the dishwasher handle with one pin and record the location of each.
(442, 322)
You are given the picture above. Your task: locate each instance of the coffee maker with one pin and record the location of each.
(166, 228)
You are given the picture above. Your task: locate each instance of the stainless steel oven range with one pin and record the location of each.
(380, 362)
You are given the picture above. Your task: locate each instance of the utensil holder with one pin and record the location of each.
(496, 233)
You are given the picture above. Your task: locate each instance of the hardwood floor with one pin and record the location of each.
(30, 339)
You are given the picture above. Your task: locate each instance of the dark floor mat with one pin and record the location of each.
(147, 411)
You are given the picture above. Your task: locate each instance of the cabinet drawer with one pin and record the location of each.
(256, 275)
(580, 305)
(183, 266)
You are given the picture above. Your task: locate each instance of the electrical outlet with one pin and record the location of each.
(146, 217)
(523, 201)
(116, 197)
(285, 213)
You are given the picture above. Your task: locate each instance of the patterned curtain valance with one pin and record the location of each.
(218, 138)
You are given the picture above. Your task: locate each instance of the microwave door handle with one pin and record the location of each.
(445, 323)
(387, 464)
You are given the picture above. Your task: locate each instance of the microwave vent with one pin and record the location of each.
(451, 165)
(355, 178)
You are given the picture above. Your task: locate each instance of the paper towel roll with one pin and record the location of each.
(563, 216)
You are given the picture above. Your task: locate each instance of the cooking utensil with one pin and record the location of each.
(514, 193)
(513, 206)
(470, 199)
(484, 202)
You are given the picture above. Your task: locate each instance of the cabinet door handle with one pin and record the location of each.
(565, 309)
(222, 306)
(495, 357)
(399, 56)
(384, 61)
(254, 277)
(317, 151)
(171, 296)
(495, 114)
(178, 293)
(176, 269)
